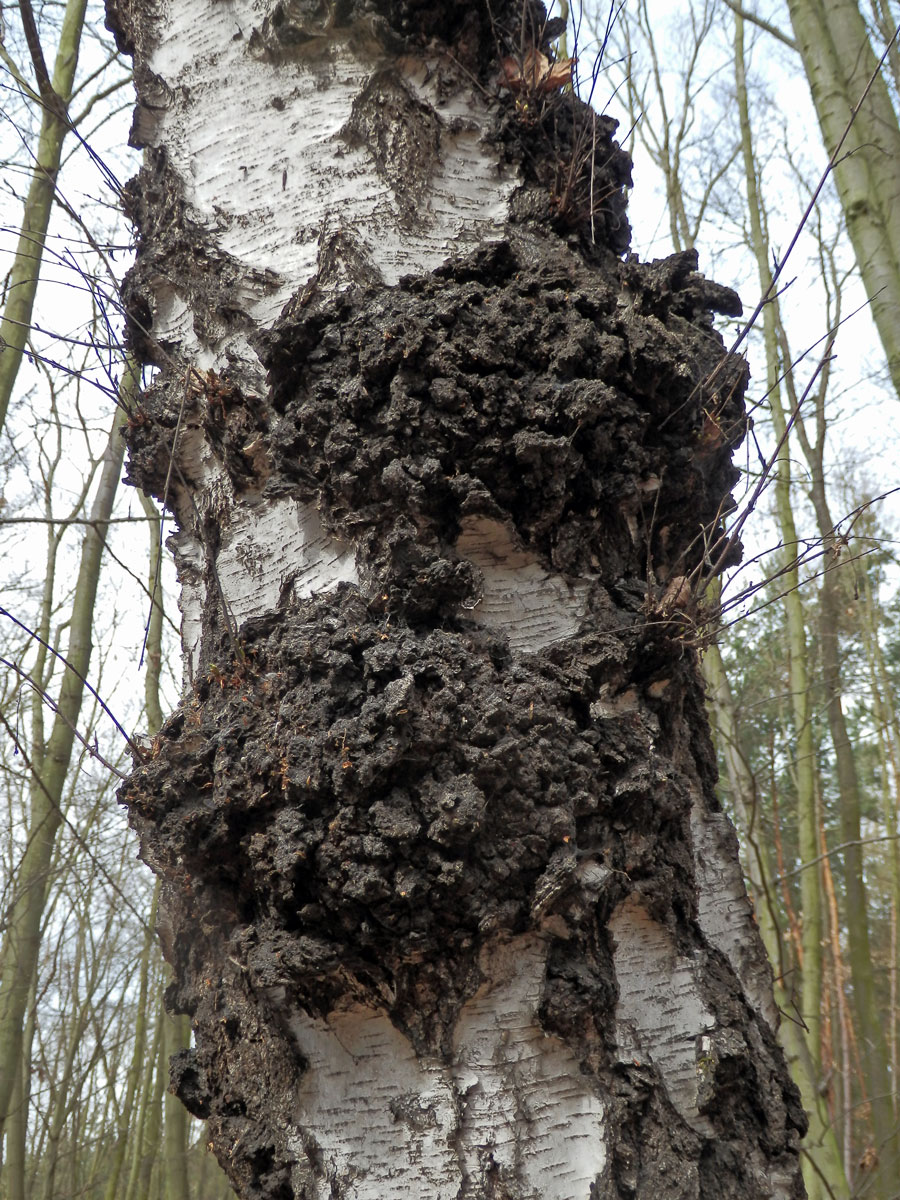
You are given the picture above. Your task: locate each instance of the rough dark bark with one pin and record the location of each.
(367, 794)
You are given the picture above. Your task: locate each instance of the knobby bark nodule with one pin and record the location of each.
(445, 885)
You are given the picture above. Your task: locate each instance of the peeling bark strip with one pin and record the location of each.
(447, 892)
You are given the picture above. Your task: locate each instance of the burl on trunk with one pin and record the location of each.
(447, 890)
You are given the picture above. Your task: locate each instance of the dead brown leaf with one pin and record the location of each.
(535, 73)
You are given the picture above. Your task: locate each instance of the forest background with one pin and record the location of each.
(733, 113)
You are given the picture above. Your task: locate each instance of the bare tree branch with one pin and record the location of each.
(49, 95)
(766, 26)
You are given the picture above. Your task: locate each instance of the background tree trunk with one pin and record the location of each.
(22, 935)
(839, 62)
(445, 885)
(20, 288)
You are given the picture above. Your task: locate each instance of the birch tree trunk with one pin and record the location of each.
(445, 885)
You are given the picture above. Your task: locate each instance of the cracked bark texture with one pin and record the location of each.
(446, 888)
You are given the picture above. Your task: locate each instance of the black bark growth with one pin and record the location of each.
(377, 786)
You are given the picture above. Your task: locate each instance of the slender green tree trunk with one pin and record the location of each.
(761, 873)
(63, 1085)
(823, 1170)
(138, 1056)
(889, 735)
(144, 1143)
(176, 1123)
(15, 1166)
(742, 788)
(176, 1029)
(838, 60)
(22, 937)
(154, 649)
(149, 1173)
(26, 267)
(880, 1085)
(870, 1019)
